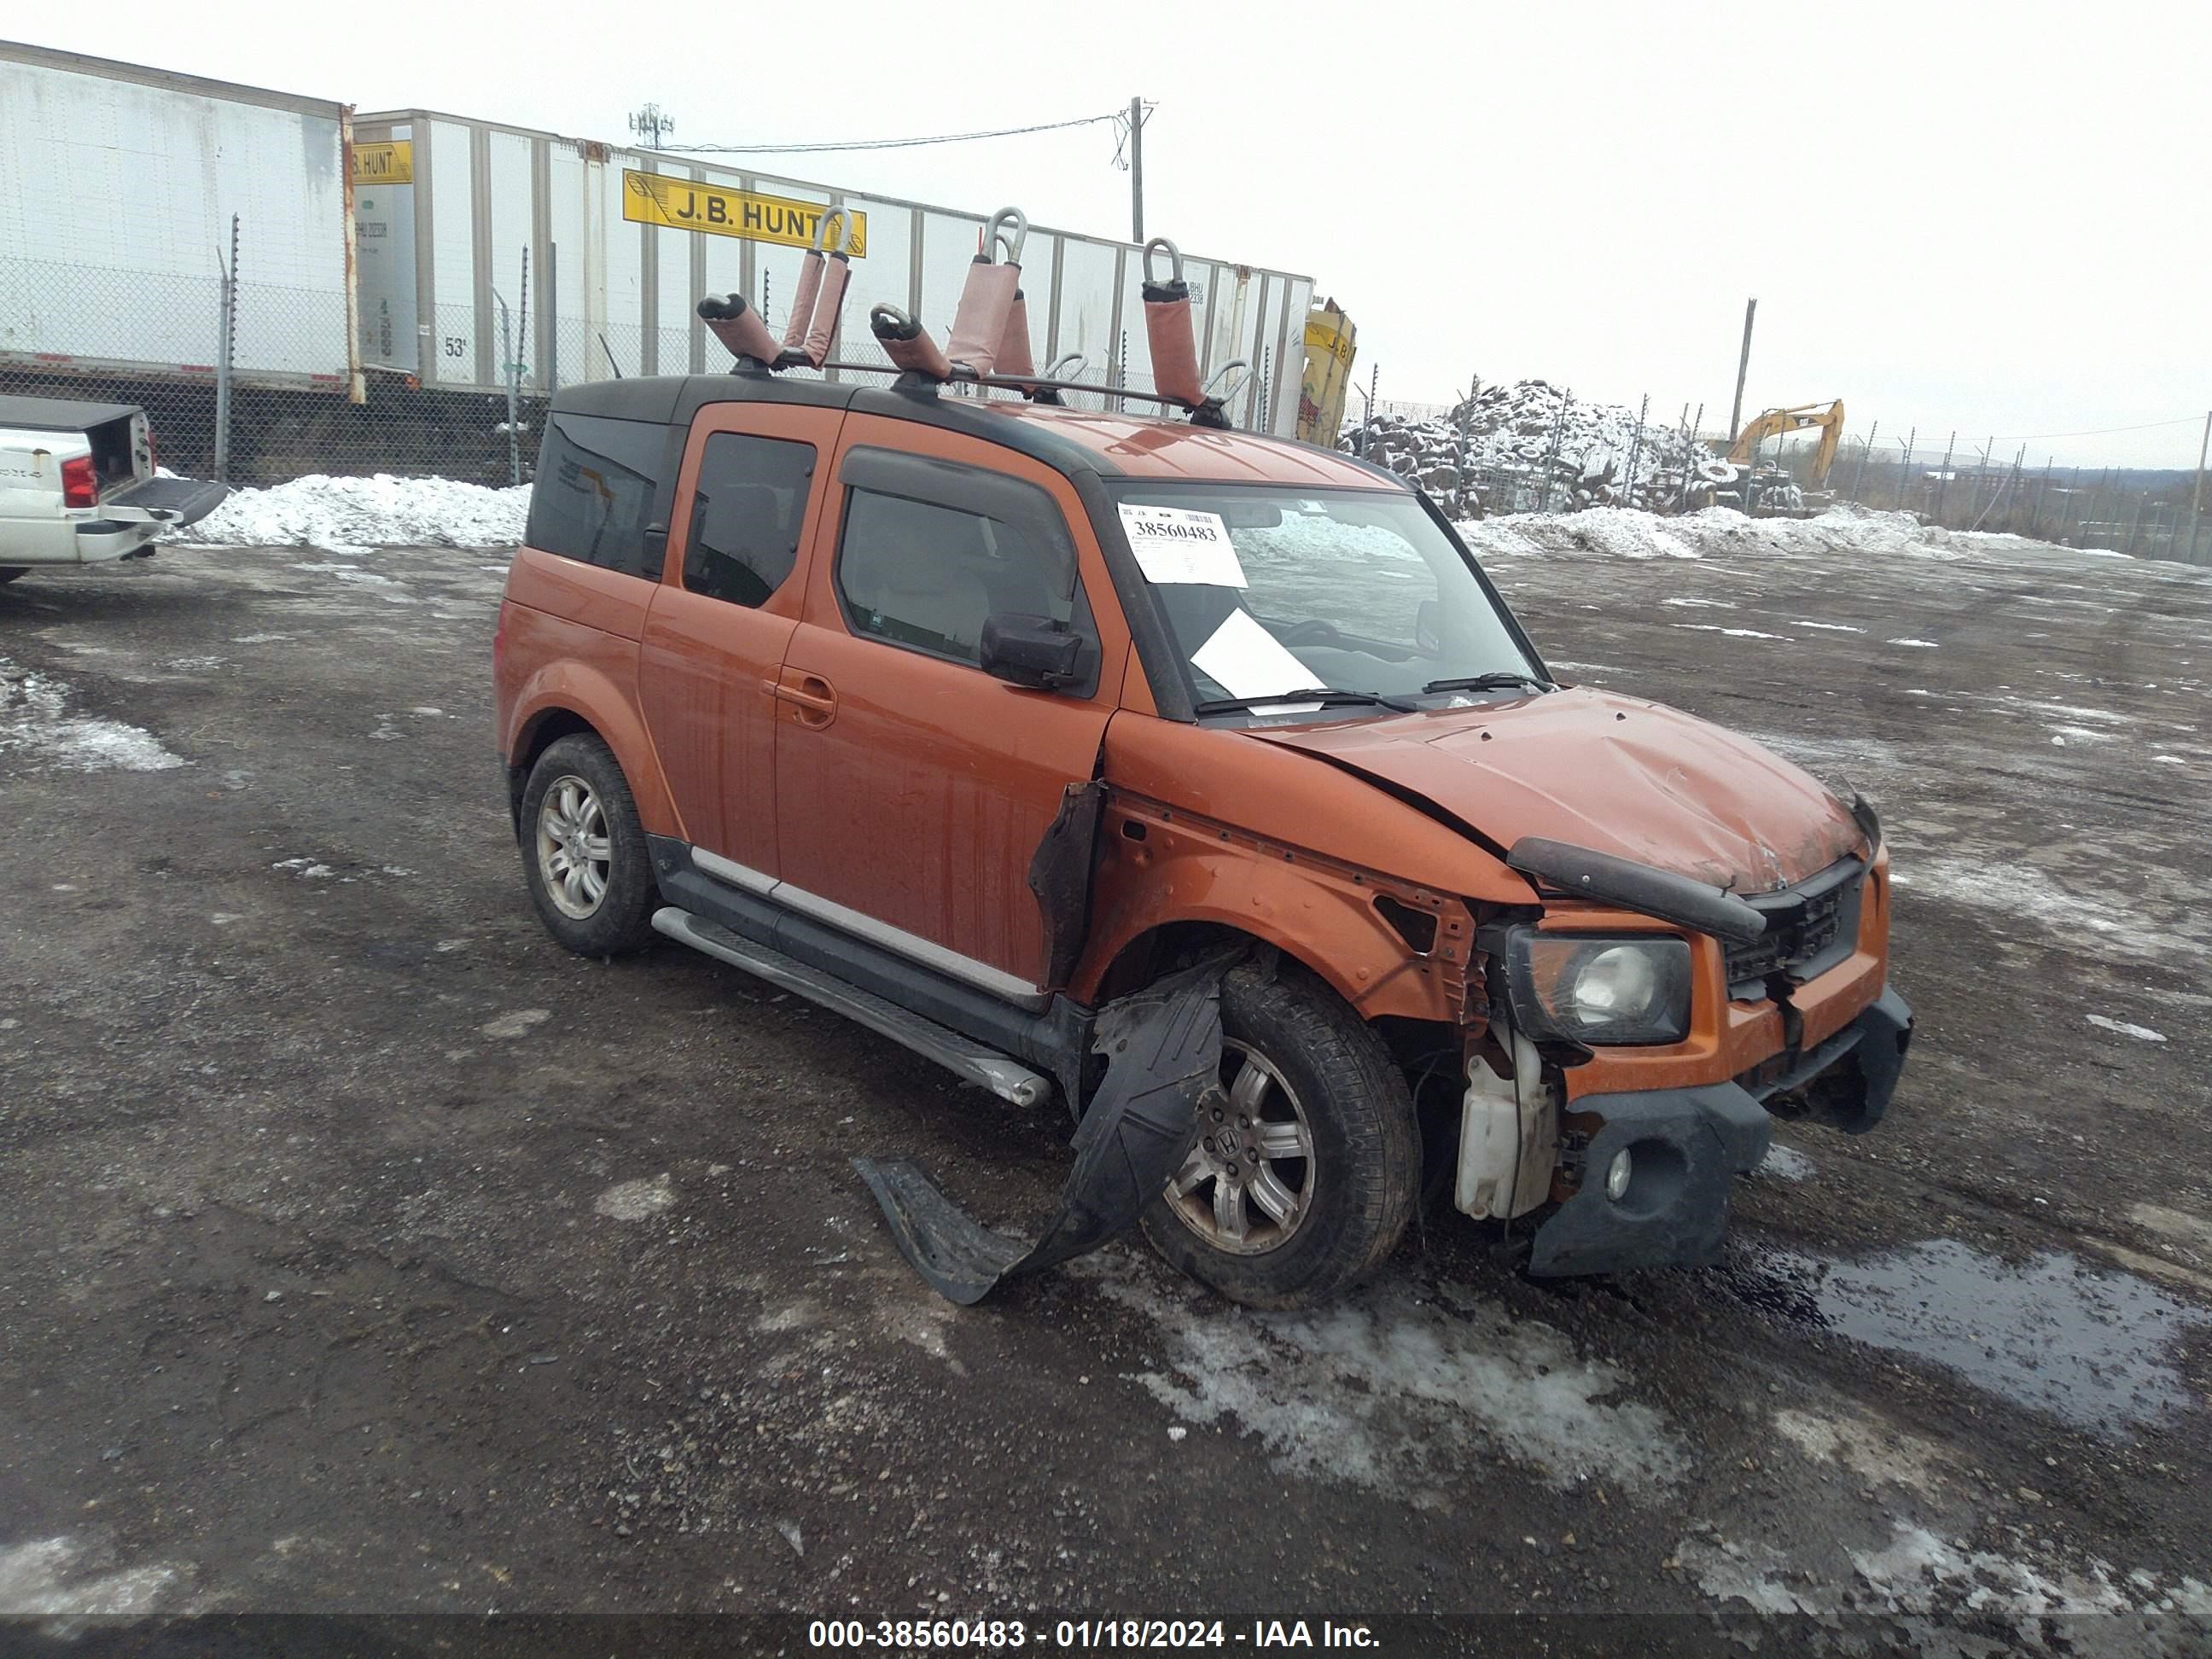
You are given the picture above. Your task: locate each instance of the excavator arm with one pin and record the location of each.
(1828, 417)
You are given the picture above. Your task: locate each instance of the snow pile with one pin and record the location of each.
(1618, 533)
(1843, 531)
(341, 514)
(1515, 442)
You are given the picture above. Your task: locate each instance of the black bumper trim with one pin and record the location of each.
(1687, 1144)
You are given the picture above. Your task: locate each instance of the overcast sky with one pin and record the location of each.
(1988, 217)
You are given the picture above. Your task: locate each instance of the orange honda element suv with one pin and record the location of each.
(973, 720)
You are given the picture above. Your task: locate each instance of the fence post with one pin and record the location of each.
(508, 366)
(1943, 483)
(1858, 480)
(226, 344)
(2197, 497)
(1552, 454)
(1636, 446)
(514, 379)
(552, 318)
(1463, 489)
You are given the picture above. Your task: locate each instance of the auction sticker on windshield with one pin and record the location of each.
(1181, 545)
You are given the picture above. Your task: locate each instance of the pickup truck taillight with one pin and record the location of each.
(79, 487)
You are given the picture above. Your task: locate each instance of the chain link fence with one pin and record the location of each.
(288, 413)
(277, 407)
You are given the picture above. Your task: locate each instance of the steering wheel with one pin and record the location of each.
(1313, 631)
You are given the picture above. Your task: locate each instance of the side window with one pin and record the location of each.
(594, 489)
(921, 574)
(745, 516)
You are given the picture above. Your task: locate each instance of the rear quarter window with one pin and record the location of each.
(597, 481)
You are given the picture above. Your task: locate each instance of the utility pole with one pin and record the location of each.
(652, 123)
(2196, 500)
(1137, 170)
(1742, 368)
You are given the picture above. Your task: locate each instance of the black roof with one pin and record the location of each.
(60, 414)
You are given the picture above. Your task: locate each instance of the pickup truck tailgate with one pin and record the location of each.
(163, 501)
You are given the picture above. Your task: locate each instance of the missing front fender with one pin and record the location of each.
(1163, 1048)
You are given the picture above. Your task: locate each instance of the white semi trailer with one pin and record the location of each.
(622, 245)
(118, 187)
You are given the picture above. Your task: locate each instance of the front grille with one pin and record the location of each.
(1810, 928)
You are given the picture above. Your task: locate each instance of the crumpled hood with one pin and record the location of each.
(1616, 774)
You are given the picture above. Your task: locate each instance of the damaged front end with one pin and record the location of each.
(1662, 1057)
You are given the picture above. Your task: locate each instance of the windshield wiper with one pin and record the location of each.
(1497, 681)
(1318, 694)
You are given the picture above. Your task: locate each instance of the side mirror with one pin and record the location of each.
(1031, 651)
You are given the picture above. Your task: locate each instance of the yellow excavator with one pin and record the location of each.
(1829, 417)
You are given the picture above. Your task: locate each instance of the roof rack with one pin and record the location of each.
(989, 345)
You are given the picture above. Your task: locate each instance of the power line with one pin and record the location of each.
(2097, 432)
(896, 143)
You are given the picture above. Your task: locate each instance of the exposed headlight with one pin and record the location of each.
(1610, 991)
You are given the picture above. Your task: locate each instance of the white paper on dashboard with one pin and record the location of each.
(1246, 660)
(1181, 545)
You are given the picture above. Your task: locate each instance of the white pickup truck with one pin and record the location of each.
(77, 485)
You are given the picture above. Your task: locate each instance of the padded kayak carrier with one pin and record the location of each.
(990, 341)
(1162, 1050)
(824, 274)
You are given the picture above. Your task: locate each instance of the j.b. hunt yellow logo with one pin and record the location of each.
(655, 199)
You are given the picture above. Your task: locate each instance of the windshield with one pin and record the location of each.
(1271, 590)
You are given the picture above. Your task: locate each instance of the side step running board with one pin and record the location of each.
(1007, 1078)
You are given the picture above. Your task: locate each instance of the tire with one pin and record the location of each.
(1321, 1073)
(596, 906)
(9, 572)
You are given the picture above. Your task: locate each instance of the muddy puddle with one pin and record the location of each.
(2092, 1345)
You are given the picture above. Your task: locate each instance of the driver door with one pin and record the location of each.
(912, 787)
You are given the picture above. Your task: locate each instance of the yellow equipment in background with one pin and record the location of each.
(1829, 417)
(1329, 351)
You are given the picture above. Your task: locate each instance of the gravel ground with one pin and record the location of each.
(360, 1251)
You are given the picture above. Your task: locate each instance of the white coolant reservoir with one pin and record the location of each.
(1509, 1135)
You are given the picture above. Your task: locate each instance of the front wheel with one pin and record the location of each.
(583, 850)
(1302, 1182)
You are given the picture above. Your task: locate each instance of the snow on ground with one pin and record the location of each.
(36, 724)
(62, 1575)
(1390, 1389)
(1845, 532)
(343, 514)
(2142, 1033)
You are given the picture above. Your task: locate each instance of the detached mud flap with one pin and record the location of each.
(1163, 1048)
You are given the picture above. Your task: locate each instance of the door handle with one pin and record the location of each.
(813, 699)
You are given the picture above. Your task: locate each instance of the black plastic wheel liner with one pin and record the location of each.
(1163, 1048)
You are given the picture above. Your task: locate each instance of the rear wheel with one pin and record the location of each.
(583, 851)
(1302, 1181)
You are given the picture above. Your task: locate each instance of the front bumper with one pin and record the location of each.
(1686, 1145)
